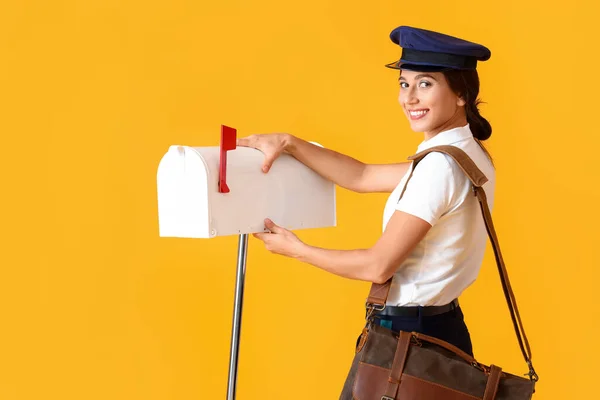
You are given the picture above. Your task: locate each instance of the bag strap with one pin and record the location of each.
(379, 292)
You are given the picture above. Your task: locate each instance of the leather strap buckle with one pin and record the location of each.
(375, 307)
(372, 308)
(532, 374)
(415, 340)
(387, 398)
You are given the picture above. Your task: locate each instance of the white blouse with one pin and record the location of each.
(447, 260)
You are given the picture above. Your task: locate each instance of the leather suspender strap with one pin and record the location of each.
(379, 292)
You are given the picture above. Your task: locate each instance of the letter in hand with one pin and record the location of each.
(271, 145)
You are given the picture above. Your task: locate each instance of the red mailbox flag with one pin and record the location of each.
(228, 140)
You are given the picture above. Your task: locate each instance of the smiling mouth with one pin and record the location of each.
(417, 114)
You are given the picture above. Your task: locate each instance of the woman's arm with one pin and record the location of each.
(376, 264)
(341, 169)
(344, 170)
(381, 178)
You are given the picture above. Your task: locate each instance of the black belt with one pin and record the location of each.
(427, 311)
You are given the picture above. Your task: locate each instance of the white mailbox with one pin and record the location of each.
(191, 205)
(204, 192)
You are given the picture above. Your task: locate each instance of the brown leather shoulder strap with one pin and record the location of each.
(379, 292)
(462, 159)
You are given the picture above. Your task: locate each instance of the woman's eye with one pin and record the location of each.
(403, 85)
(424, 84)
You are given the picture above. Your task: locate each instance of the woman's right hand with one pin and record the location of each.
(271, 145)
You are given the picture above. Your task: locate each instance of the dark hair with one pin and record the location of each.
(465, 83)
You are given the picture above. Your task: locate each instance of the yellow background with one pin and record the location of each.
(94, 305)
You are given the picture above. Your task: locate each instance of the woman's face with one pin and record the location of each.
(429, 103)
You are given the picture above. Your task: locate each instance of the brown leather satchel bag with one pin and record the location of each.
(412, 366)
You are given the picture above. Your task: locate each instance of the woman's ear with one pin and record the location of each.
(460, 101)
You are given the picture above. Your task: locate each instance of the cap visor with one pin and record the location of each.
(417, 68)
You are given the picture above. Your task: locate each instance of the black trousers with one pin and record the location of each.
(449, 327)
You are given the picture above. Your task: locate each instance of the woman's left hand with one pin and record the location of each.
(280, 240)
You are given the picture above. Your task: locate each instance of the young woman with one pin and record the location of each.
(434, 236)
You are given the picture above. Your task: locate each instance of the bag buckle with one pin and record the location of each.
(371, 308)
(486, 370)
(532, 374)
(414, 339)
(387, 398)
